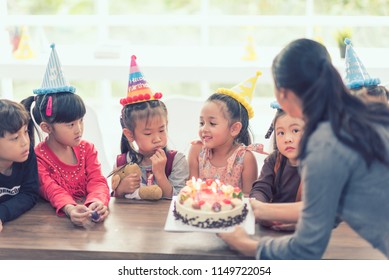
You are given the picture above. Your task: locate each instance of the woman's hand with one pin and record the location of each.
(1, 225)
(240, 241)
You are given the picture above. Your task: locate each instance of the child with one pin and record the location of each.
(19, 187)
(225, 152)
(279, 181)
(144, 122)
(69, 171)
(343, 155)
(359, 81)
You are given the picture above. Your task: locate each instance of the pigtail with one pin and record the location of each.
(34, 115)
(279, 167)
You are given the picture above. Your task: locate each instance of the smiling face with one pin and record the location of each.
(149, 135)
(215, 129)
(14, 147)
(288, 132)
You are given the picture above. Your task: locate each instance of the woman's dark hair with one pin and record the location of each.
(130, 116)
(235, 112)
(13, 116)
(304, 67)
(65, 107)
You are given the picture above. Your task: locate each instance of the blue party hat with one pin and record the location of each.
(54, 81)
(356, 73)
(275, 105)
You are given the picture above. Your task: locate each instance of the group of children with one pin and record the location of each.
(66, 171)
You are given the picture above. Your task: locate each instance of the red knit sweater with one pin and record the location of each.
(63, 184)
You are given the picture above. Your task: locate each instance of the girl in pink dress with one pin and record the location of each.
(225, 150)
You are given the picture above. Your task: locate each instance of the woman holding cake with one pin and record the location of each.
(224, 152)
(344, 158)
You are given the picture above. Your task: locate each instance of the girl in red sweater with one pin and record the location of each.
(69, 171)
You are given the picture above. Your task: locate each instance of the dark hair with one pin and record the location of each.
(13, 116)
(234, 112)
(66, 107)
(131, 114)
(304, 67)
(378, 91)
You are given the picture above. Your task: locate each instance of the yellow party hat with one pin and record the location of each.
(24, 50)
(243, 92)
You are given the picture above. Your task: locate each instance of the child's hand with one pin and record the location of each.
(129, 184)
(79, 214)
(158, 162)
(100, 209)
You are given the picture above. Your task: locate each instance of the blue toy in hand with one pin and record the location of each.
(95, 216)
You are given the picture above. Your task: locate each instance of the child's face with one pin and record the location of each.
(150, 135)
(214, 126)
(15, 147)
(68, 134)
(288, 133)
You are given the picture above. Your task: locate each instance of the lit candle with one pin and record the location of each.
(198, 186)
(218, 183)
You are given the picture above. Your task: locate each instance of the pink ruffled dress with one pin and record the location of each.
(231, 173)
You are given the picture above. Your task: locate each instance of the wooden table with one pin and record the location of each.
(135, 230)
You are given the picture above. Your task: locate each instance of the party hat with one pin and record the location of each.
(24, 50)
(54, 81)
(138, 88)
(243, 92)
(356, 73)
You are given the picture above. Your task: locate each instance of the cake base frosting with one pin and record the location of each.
(210, 204)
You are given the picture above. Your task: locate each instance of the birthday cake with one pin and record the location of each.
(210, 204)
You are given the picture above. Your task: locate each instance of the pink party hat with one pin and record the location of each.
(138, 88)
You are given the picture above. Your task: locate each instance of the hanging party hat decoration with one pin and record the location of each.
(243, 92)
(356, 73)
(138, 88)
(54, 81)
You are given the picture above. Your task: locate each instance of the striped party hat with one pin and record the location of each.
(138, 88)
(356, 73)
(54, 81)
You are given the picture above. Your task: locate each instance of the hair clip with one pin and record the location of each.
(269, 132)
(49, 106)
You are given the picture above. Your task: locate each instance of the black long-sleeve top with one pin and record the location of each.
(19, 192)
(263, 188)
